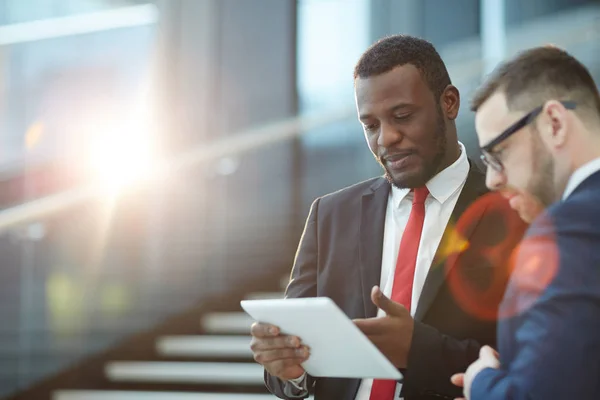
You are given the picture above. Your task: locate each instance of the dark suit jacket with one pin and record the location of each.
(340, 257)
(549, 333)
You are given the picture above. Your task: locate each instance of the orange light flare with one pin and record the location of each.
(486, 249)
(536, 264)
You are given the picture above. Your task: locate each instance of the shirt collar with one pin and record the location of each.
(442, 185)
(580, 175)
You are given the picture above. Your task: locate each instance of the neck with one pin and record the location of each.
(588, 149)
(452, 153)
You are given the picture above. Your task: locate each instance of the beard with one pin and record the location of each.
(542, 183)
(429, 168)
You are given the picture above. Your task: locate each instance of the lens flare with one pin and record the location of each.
(535, 266)
(120, 160)
(480, 255)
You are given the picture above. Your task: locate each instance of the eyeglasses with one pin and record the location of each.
(490, 159)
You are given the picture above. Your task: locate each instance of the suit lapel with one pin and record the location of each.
(474, 187)
(372, 223)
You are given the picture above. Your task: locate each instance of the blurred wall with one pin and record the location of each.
(75, 282)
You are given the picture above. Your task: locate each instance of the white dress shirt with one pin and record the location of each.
(580, 175)
(444, 190)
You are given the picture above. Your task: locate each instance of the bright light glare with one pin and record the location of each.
(123, 152)
(119, 160)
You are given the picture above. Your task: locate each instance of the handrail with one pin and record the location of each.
(245, 141)
(78, 24)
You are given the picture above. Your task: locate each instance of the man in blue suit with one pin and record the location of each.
(538, 124)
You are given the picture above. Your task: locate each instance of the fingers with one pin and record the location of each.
(269, 346)
(288, 368)
(261, 330)
(386, 304)
(377, 326)
(272, 343)
(266, 357)
(487, 352)
(370, 326)
(378, 298)
(489, 357)
(458, 379)
(283, 363)
(280, 355)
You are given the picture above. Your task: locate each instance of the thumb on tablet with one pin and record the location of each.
(386, 304)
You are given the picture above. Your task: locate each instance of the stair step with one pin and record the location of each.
(185, 372)
(131, 395)
(265, 295)
(227, 322)
(205, 346)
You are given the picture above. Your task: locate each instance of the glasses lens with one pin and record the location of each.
(491, 161)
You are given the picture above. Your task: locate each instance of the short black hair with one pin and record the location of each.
(538, 75)
(394, 51)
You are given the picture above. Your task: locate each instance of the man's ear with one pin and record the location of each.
(553, 124)
(450, 102)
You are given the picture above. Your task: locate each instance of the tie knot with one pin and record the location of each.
(420, 195)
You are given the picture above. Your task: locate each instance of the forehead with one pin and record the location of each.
(402, 84)
(493, 117)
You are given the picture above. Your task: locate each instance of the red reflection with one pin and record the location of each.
(536, 264)
(484, 242)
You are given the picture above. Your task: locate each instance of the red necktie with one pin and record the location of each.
(384, 389)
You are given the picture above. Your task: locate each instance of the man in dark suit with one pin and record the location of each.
(402, 237)
(538, 121)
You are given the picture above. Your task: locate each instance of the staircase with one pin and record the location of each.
(207, 359)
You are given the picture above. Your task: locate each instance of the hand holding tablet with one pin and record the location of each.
(337, 347)
(280, 354)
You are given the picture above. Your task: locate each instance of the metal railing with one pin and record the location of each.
(99, 21)
(243, 142)
(464, 71)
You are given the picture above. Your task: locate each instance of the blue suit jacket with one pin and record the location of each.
(549, 332)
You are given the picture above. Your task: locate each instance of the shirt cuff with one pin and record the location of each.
(299, 386)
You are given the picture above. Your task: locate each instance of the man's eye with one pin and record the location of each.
(370, 127)
(403, 117)
(498, 153)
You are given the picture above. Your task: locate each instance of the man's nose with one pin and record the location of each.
(494, 180)
(388, 135)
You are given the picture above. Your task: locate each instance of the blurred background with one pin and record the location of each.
(158, 159)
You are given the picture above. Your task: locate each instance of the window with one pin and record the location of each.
(332, 34)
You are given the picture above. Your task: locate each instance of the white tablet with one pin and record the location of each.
(337, 347)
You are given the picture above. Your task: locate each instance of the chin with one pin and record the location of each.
(526, 216)
(407, 180)
(527, 206)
